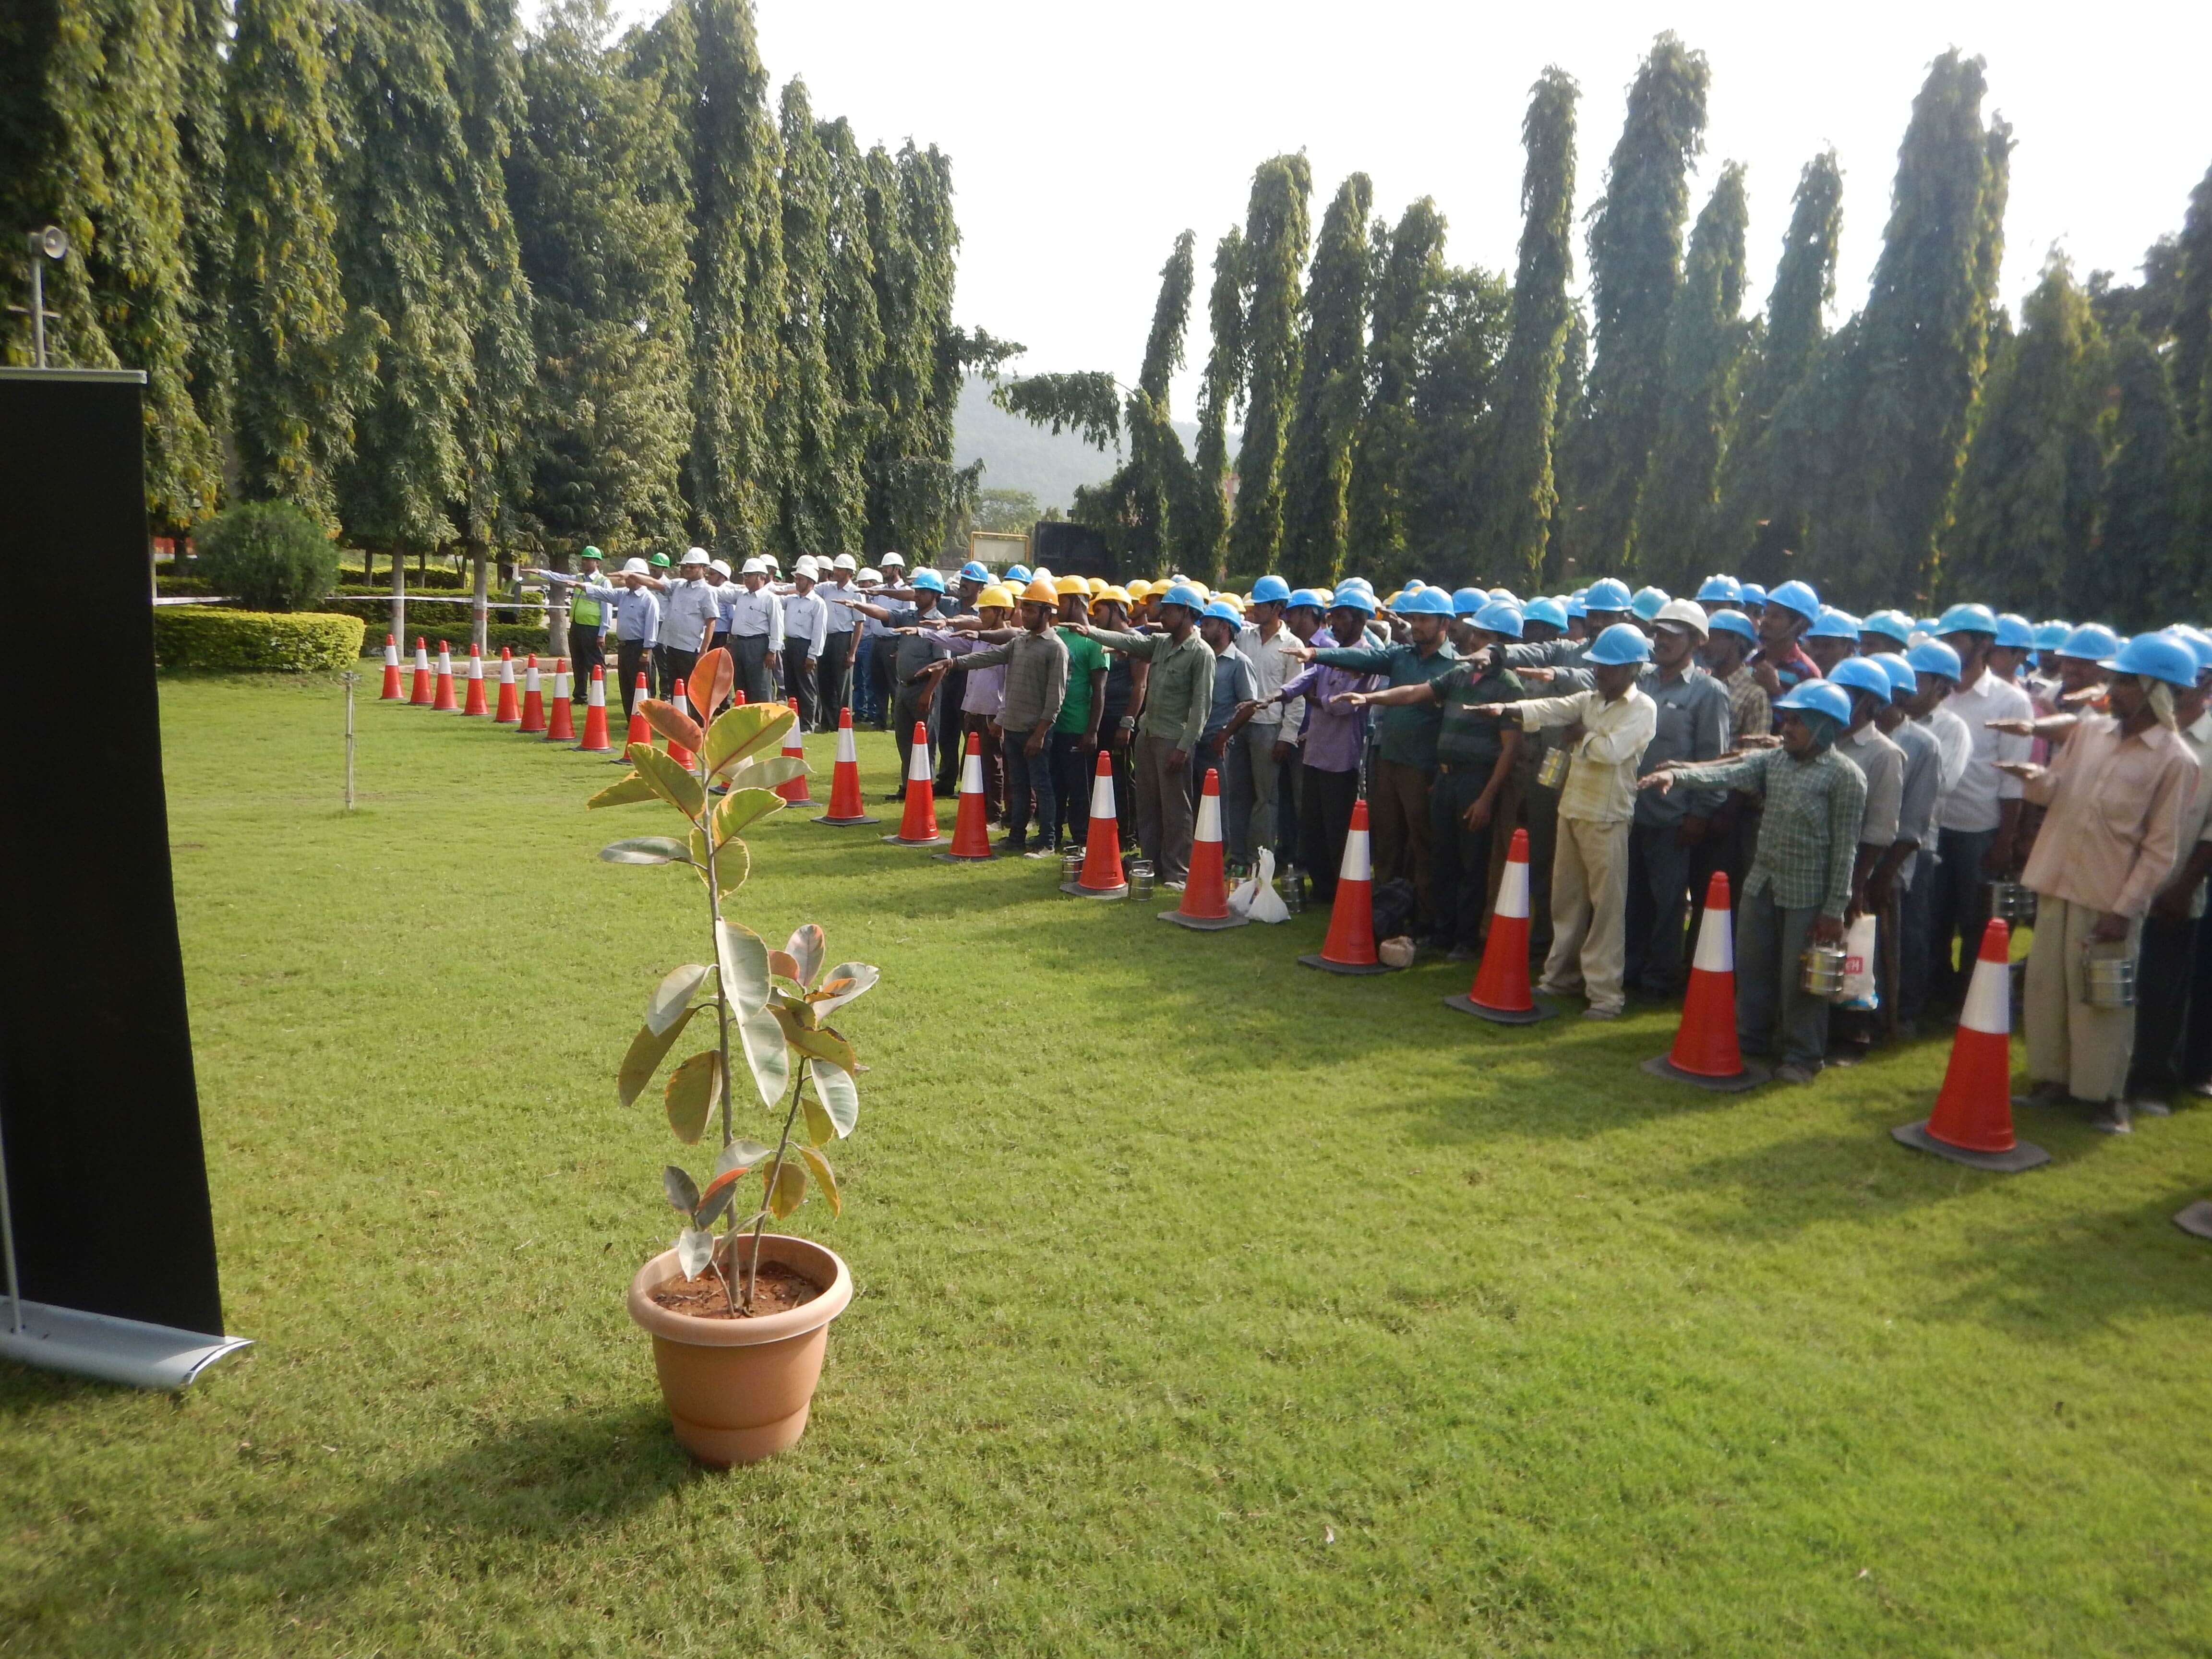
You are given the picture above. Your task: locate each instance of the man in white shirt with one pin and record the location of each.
(755, 631)
(834, 679)
(1979, 819)
(689, 611)
(1936, 676)
(806, 628)
(1269, 739)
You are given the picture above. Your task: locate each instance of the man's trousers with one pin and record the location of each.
(1164, 821)
(1398, 813)
(1769, 983)
(1590, 893)
(2069, 1042)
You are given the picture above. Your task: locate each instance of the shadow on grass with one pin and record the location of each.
(550, 1481)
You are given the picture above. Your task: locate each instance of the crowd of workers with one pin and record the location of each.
(1831, 766)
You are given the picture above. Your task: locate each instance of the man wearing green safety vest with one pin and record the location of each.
(587, 620)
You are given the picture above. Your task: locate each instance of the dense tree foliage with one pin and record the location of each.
(1275, 233)
(1409, 276)
(1331, 382)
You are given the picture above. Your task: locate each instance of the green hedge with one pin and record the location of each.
(254, 641)
(521, 638)
(164, 583)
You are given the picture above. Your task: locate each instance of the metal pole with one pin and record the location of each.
(7, 1246)
(399, 598)
(349, 679)
(37, 306)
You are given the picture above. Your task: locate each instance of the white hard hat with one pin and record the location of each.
(771, 561)
(806, 567)
(636, 568)
(696, 556)
(844, 562)
(756, 566)
(720, 565)
(893, 558)
(872, 575)
(1686, 613)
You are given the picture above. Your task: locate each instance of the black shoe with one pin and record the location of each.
(895, 794)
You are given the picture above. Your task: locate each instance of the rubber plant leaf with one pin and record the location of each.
(824, 1179)
(808, 949)
(841, 1097)
(646, 1050)
(708, 683)
(682, 1192)
(788, 1190)
(858, 979)
(694, 1089)
(672, 723)
(625, 791)
(815, 1044)
(671, 995)
(739, 733)
(645, 849)
(741, 808)
(768, 773)
(744, 955)
(669, 782)
(695, 1249)
(766, 1055)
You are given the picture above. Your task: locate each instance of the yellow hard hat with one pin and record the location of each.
(1097, 585)
(1204, 594)
(1139, 589)
(1118, 595)
(1041, 591)
(996, 594)
(1065, 586)
(1234, 601)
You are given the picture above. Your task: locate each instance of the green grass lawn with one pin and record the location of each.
(1206, 1304)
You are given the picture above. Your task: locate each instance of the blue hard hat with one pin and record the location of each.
(2197, 640)
(1221, 612)
(1270, 590)
(974, 572)
(2091, 642)
(2050, 635)
(1546, 610)
(2015, 633)
(1903, 682)
(1414, 585)
(1576, 607)
(1184, 594)
(1505, 596)
(1967, 619)
(1795, 596)
(2158, 657)
(1423, 602)
(1833, 624)
(1017, 573)
(1354, 596)
(928, 580)
(1731, 621)
(1499, 618)
(1307, 596)
(1934, 657)
(1863, 674)
(1720, 590)
(1620, 645)
(1648, 602)
(1359, 582)
(1465, 601)
(1753, 594)
(1607, 593)
(1890, 624)
(1820, 698)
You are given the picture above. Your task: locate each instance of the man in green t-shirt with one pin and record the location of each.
(1075, 734)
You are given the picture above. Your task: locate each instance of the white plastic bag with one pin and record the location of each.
(1255, 898)
(1859, 967)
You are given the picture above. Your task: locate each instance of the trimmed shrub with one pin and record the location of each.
(267, 554)
(167, 585)
(254, 641)
(521, 638)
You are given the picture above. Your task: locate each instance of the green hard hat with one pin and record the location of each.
(593, 553)
(662, 560)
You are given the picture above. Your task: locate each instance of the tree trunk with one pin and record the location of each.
(399, 598)
(480, 569)
(557, 611)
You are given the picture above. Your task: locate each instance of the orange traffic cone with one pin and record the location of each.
(1350, 947)
(595, 716)
(533, 700)
(390, 692)
(1971, 1123)
(971, 830)
(475, 704)
(562, 726)
(845, 803)
(794, 792)
(1100, 875)
(677, 752)
(419, 693)
(1705, 1051)
(641, 729)
(1500, 991)
(918, 828)
(509, 713)
(443, 703)
(1205, 904)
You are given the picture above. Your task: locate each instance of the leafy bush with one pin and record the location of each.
(521, 638)
(267, 554)
(254, 641)
(167, 584)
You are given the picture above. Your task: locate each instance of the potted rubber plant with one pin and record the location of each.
(739, 1317)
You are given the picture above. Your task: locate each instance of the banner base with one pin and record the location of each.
(125, 1351)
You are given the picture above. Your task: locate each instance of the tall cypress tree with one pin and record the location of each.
(821, 493)
(90, 95)
(2028, 497)
(852, 331)
(2192, 313)
(1275, 229)
(601, 195)
(1563, 550)
(1332, 388)
(1206, 550)
(1705, 342)
(2138, 579)
(1520, 479)
(205, 29)
(1764, 489)
(1162, 482)
(1454, 397)
(1636, 253)
(1916, 363)
(1408, 277)
(303, 362)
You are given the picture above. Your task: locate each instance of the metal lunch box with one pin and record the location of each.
(1551, 771)
(2009, 903)
(1291, 884)
(2108, 982)
(1140, 879)
(1823, 971)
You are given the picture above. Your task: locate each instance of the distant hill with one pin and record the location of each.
(1018, 456)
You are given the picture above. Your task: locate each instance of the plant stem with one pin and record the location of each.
(715, 937)
(760, 1221)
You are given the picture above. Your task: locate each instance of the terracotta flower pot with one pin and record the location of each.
(738, 1390)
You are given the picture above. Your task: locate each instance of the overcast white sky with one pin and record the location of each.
(1084, 138)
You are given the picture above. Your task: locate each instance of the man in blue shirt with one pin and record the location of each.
(833, 676)
(636, 611)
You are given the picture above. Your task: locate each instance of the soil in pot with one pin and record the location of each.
(778, 1289)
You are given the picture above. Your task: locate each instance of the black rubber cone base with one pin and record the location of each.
(965, 858)
(847, 823)
(1328, 967)
(2196, 1219)
(1203, 924)
(929, 841)
(2023, 1156)
(800, 805)
(1751, 1077)
(1076, 889)
(1467, 1005)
